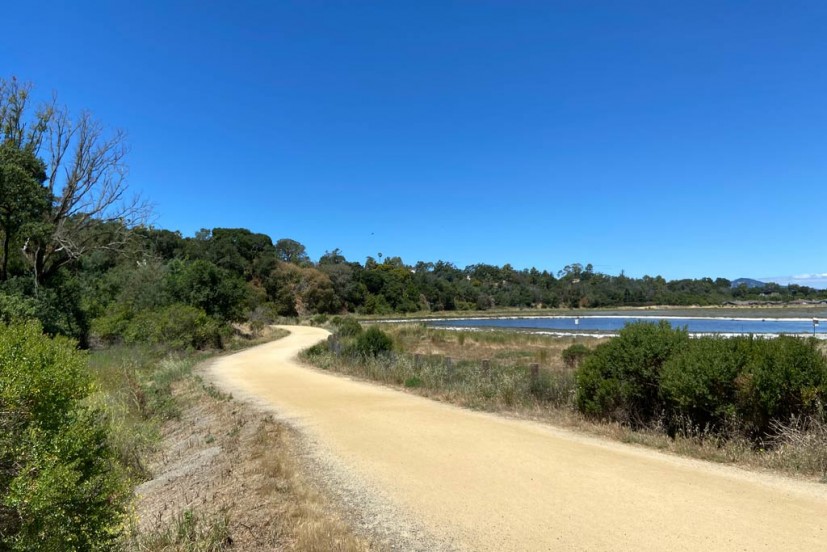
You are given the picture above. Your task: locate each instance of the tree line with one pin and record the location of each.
(78, 256)
(79, 261)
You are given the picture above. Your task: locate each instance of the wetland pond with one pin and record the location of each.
(612, 324)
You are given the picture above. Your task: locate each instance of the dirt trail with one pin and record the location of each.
(486, 482)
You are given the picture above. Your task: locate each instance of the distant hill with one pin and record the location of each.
(749, 282)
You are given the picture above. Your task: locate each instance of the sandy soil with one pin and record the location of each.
(484, 482)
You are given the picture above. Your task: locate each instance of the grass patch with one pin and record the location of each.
(308, 520)
(252, 493)
(482, 372)
(413, 382)
(188, 532)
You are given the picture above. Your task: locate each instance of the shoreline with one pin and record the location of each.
(597, 316)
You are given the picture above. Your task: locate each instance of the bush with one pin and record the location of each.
(698, 383)
(783, 378)
(720, 384)
(177, 326)
(574, 355)
(61, 488)
(348, 327)
(372, 342)
(620, 380)
(203, 285)
(16, 308)
(111, 327)
(759, 381)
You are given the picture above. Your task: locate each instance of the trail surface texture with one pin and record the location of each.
(485, 482)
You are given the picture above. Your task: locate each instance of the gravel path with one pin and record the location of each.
(483, 482)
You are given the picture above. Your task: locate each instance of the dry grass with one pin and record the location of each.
(502, 346)
(309, 521)
(228, 477)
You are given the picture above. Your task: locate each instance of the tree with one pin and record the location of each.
(85, 179)
(202, 284)
(298, 291)
(242, 252)
(23, 199)
(291, 251)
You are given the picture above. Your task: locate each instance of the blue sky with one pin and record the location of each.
(682, 139)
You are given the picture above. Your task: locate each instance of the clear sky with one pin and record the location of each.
(678, 138)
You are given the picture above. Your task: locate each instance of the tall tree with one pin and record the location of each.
(291, 251)
(23, 199)
(85, 178)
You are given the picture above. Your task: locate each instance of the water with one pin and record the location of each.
(611, 324)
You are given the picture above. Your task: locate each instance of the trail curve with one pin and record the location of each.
(488, 482)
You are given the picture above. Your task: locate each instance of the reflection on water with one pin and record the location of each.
(613, 324)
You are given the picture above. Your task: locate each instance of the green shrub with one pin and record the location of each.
(348, 327)
(744, 384)
(574, 355)
(60, 487)
(111, 327)
(16, 308)
(203, 285)
(177, 326)
(317, 350)
(372, 342)
(413, 382)
(620, 380)
(782, 378)
(698, 383)
(760, 382)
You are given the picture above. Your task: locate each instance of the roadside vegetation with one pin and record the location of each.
(101, 321)
(213, 474)
(102, 316)
(751, 401)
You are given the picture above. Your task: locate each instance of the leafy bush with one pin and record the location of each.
(621, 379)
(317, 350)
(348, 327)
(413, 382)
(16, 308)
(112, 326)
(698, 383)
(57, 306)
(759, 381)
(372, 342)
(176, 326)
(60, 486)
(655, 373)
(782, 378)
(203, 285)
(574, 355)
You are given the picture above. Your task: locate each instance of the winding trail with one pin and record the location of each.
(485, 482)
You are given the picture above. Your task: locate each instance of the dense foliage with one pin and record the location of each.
(372, 342)
(657, 374)
(60, 484)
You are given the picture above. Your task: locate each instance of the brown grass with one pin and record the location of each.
(227, 477)
(503, 346)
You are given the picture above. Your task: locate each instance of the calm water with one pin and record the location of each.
(613, 324)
